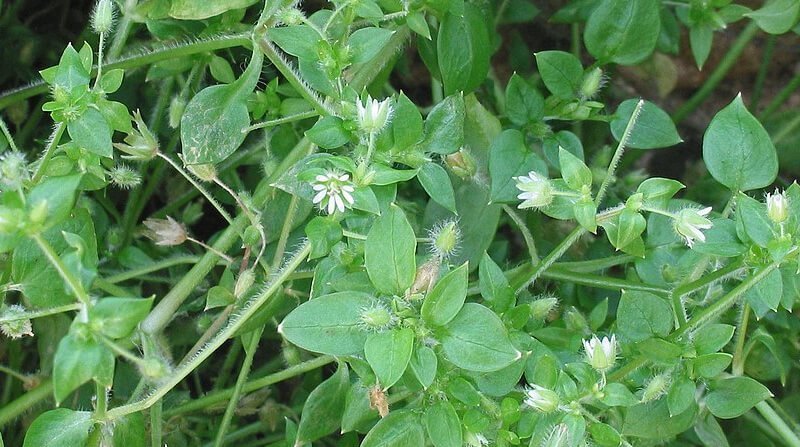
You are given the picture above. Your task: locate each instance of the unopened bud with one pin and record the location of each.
(376, 317)
(541, 399)
(461, 163)
(655, 388)
(154, 369)
(592, 83)
(541, 308)
(175, 112)
(244, 282)
(140, 144)
(38, 213)
(103, 16)
(426, 277)
(165, 232)
(445, 237)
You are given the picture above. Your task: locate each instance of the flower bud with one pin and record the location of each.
(154, 369)
(124, 177)
(461, 163)
(592, 83)
(655, 388)
(103, 16)
(690, 222)
(542, 307)
(376, 317)
(290, 16)
(14, 325)
(175, 111)
(13, 170)
(244, 282)
(445, 237)
(541, 399)
(38, 213)
(777, 207)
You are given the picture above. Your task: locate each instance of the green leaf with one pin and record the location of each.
(385, 175)
(642, 315)
(400, 428)
(712, 337)
(561, 73)
(681, 395)
(91, 131)
(751, 217)
(776, 16)
(357, 414)
(711, 365)
(721, 240)
(653, 128)
(129, 431)
(494, 285)
(118, 317)
(436, 182)
(323, 233)
(388, 353)
(59, 195)
(443, 425)
(79, 360)
(444, 126)
(574, 171)
(701, 38)
(622, 31)
(657, 192)
(625, 229)
(406, 123)
(329, 324)
(41, 283)
(389, 252)
(524, 104)
(112, 80)
(329, 133)
(61, 427)
(194, 10)
(70, 72)
(604, 435)
(366, 43)
(476, 340)
(212, 126)
(732, 397)
(653, 421)
(423, 365)
(297, 40)
(766, 294)
(463, 50)
(322, 412)
(447, 297)
(738, 151)
(510, 157)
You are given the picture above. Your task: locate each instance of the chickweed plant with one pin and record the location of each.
(402, 224)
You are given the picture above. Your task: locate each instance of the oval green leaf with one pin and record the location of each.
(447, 297)
(389, 252)
(476, 340)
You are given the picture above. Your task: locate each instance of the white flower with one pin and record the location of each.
(689, 223)
(601, 354)
(541, 399)
(536, 190)
(777, 209)
(333, 191)
(373, 115)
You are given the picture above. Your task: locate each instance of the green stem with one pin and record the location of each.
(21, 377)
(612, 167)
(156, 420)
(52, 144)
(8, 135)
(290, 73)
(737, 367)
(552, 257)
(113, 289)
(153, 267)
(102, 401)
(291, 212)
(73, 282)
(594, 265)
(778, 424)
(25, 402)
(255, 384)
(250, 351)
(199, 187)
(284, 120)
(787, 129)
(762, 71)
(162, 52)
(601, 282)
(781, 97)
(247, 310)
(526, 234)
(29, 315)
(123, 29)
(718, 74)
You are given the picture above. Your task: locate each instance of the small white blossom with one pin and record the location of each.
(601, 354)
(777, 207)
(541, 399)
(689, 223)
(333, 191)
(536, 190)
(373, 115)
